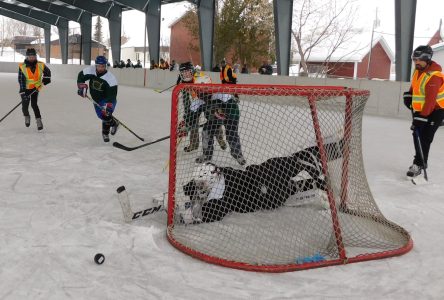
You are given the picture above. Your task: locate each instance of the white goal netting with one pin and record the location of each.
(271, 178)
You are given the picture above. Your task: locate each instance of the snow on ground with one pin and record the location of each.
(58, 208)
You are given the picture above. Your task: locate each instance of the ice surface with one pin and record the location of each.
(59, 207)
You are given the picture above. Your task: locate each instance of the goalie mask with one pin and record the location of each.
(205, 177)
(186, 72)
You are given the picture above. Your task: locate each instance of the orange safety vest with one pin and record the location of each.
(418, 89)
(33, 80)
(224, 73)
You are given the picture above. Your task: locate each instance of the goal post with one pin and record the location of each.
(287, 192)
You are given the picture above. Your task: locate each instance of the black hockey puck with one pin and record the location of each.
(99, 258)
(120, 189)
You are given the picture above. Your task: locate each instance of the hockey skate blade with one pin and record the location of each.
(418, 180)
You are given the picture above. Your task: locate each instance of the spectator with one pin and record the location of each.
(121, 64)
(116, 64)
(245, 69)
(216, 68)
(138, 65)
(129, 64)
(153, 65)
(226, 73)
(173, 66)
(164, 64)
(236, 68)
(266, 69)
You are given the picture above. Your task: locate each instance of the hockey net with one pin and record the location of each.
(301, 200)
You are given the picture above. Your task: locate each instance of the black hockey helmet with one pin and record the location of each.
(186, 71)
(186, 66)
(31, 52)
(423, 53)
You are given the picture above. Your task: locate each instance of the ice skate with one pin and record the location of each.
(190, 147)
(39, 123)
(414, 171)
(27, 121)
(105, 137)
(114, 127)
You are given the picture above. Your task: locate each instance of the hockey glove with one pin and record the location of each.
(219, 114)
(407, 99)
(182, 129)
(107, 109)
(23, 96)
(82, 89)
(46, 80)
(418, 121)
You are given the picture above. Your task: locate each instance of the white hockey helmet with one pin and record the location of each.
(205, 176)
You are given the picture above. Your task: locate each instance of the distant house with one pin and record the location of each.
(22, 42)
(437, 44)
(352, 60)
(133, 49)
(74, 46)
(183, 46)
(437, 37)
(438, 53)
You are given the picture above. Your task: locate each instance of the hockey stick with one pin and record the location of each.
(11, 111)
(161, 91)
(128, 214)
(117, 120)
(126, 148)
(421, 153)
(15, 107)
(424, 164)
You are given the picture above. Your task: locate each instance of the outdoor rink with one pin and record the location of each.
(59, 207)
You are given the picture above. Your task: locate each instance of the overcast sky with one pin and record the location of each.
(428, 14)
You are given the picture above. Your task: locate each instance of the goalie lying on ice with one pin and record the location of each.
(216, 191)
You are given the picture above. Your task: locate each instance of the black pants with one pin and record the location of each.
(25, 105)
(211, 129)
(107, 123)
(426, 135)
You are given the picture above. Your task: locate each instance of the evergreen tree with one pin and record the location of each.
(98, 36)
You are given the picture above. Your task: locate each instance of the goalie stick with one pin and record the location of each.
(128, 213)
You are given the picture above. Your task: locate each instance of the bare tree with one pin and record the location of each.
(326, 24)
(37, 32)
